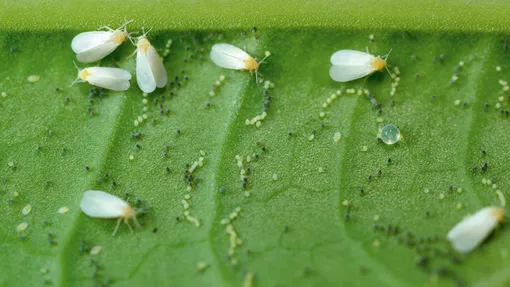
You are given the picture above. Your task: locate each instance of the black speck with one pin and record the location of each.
(222, 190)
(443, 271)
(178, 132)
(154, 230)
(422, 261)
(484, 167)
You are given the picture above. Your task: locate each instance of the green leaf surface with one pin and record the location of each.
(294, 228)
(446, 15)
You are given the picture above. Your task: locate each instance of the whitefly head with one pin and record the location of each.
(83, 74)
(142, 43)
(380, 62)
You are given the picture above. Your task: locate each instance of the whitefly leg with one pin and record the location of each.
(116, 227)
(126, 221)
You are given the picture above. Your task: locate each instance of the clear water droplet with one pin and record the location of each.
(390, 134)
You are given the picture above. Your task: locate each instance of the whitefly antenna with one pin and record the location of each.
(145, 33)
(267, 53)
(105, 27)
(386, 59)
(388, 55)
(125, 24)
(78, 80)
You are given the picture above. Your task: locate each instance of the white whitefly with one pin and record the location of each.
(471, 231)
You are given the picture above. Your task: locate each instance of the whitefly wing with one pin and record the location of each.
(229, 56)
(97, 53)
(158, 70)
(97, 203)
(470, 232)
(90, 40)
(350, 65)
(144, 76)
(346, 73)
(110, 78)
